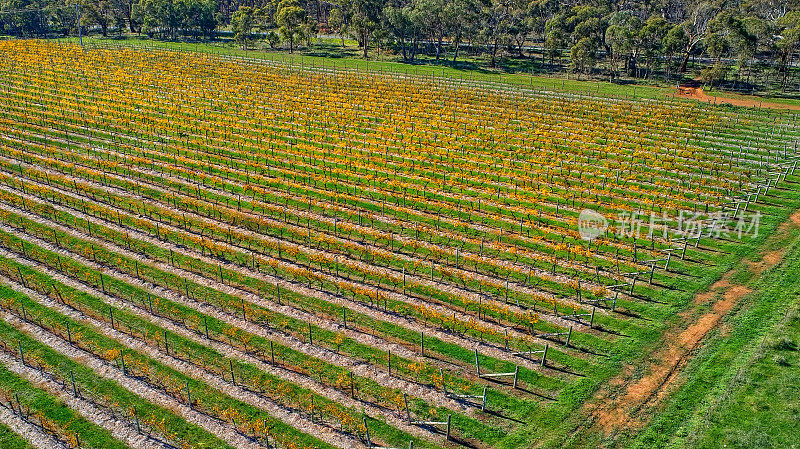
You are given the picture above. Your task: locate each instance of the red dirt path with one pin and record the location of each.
(694, 91)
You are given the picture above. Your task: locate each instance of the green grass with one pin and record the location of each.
(757, 402)
(565, 424)
(10, 440)
(722, 96)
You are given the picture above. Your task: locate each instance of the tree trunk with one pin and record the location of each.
(456, 43)
(686, 55)
(784, 67)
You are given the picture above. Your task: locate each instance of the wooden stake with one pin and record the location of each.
(516, 373)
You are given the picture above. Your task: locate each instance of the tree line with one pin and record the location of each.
(726, 39)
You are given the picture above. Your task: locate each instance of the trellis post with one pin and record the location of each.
(366, 431)
(405, 403)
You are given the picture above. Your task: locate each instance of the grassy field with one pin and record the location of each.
(754, 399)
(247, 249)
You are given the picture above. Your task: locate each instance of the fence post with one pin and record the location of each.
(21, 277)
(405, 403)
(544, 354)
(272, 352)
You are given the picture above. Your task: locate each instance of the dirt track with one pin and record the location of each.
(697, 93)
